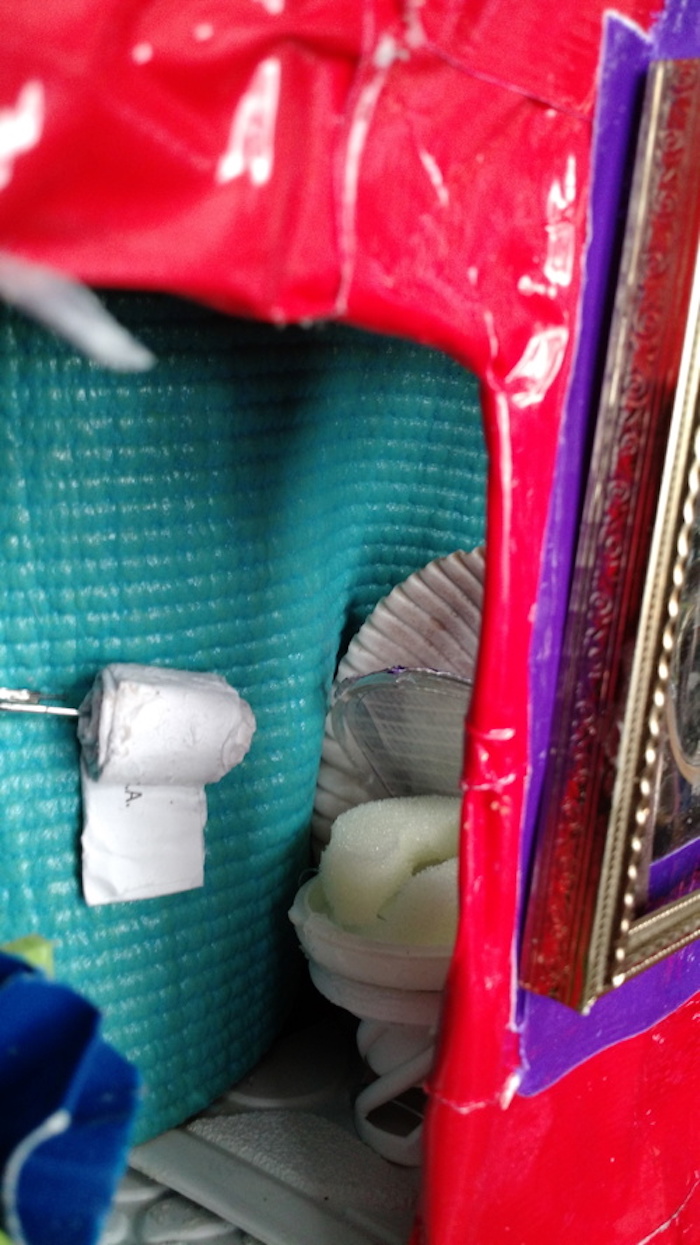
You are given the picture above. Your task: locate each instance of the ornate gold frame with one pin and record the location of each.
(623, 943)
(589, 923)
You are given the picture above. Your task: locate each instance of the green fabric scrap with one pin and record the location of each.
(36, 950)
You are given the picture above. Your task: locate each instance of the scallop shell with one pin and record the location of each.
(431, 621)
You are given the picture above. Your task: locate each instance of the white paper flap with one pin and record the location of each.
(139, 842)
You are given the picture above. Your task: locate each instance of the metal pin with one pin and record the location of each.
(22, 700)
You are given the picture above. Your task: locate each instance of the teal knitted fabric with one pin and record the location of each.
(239, 509)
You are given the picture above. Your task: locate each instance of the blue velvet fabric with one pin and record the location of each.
(67, 1105)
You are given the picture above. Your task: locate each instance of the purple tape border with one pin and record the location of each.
(553, 1038)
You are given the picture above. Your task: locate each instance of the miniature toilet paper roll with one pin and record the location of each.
(153, 725)
(151, 739)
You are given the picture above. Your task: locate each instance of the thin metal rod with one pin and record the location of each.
(22, 700)
(12, 706)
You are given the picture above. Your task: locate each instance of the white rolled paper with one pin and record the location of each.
(151, 739)
(154, 725)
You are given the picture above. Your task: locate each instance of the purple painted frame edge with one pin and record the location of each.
(554, 1038)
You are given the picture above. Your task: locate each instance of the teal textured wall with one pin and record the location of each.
(238, 509)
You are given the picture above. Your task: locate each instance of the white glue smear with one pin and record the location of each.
(20, 128)
(386, 52)
(251, 144)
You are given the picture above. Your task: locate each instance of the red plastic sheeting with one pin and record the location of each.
(420, 169)
(604, 1157)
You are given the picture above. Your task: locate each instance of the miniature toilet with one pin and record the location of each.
(394, 733)
(377, 925)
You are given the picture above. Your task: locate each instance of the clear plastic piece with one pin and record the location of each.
(405, 728)
(71, 310)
